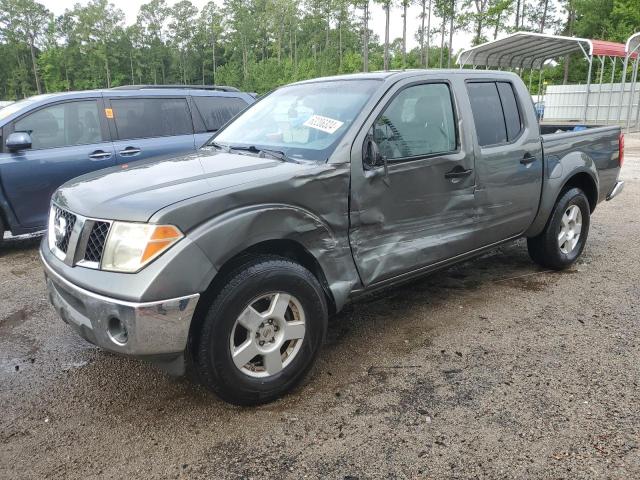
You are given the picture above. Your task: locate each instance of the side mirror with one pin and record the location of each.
(18, 141)
(371, 157)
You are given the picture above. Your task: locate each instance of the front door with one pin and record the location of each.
(68, 139)
(145, 127)
(421, 210)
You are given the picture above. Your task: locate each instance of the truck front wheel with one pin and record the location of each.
(262, 332)
(563, 239)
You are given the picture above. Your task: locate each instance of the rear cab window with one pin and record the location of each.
(136, 117)
(496, 114)
(217, 110)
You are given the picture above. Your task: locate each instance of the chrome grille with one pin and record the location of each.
(63, 223)
(96, 241)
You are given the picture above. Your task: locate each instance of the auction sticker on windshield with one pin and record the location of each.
(324, 124)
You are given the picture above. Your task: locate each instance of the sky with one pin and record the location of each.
(131, 7)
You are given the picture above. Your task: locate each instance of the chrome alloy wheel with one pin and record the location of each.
(268, 334)
(570, 229)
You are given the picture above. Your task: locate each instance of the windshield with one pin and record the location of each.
(303, 121)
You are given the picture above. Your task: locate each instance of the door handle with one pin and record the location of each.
(99, 155)
(130, 151)
(458, 172)
(527, 159)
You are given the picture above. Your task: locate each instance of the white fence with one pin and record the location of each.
(606, 105)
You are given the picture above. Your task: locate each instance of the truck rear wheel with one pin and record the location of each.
(563, 239)
(262, 332)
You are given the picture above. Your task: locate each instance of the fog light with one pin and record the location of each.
(117, 331)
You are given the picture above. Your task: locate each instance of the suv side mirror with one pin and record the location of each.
(18, 141)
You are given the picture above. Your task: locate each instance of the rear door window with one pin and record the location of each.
(487, 113)
(216, 111)
(510, 108)
(62, 125)
(151, 117)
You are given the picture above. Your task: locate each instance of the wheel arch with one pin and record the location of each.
(233, 238)
(572, 171)
(585, 182)
(275, 248)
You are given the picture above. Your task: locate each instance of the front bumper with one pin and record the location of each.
(153, 329)
(617, 189)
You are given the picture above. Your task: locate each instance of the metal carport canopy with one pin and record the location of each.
(531, 50)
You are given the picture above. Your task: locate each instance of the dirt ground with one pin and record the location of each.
(492, 369)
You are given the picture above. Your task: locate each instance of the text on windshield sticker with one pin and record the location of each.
(324, 124)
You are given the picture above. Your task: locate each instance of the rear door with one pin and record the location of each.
(69, 138)
(150, 126)
(508, 160)
(212, 112)
(422, 211)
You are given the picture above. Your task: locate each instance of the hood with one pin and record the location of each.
(135, 192)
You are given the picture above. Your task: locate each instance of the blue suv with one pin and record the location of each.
(48, 139)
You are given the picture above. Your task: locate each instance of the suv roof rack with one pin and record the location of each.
(220, 88)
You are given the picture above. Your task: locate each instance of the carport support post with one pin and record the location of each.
(634, 77)
(601, 58)
(530, 78)
(613, 74)
(637, 122)
(540, 82)
(586, 102)
(622, 85)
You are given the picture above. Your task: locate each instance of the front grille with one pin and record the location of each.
(97, 239)
(63, 223)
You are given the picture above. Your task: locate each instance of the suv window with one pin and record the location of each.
(216, 111)
(151, 117)
(419, 121)
(62, 124)
(510, 108)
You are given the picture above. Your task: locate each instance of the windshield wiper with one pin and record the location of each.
(280, 155)
(219, 146)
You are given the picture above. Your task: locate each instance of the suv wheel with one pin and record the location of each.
(262, 332)
(563, 239)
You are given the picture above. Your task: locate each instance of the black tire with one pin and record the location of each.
(544, 248)
(1, 230)
(260, 276)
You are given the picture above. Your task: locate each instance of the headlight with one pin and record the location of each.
(130, 246)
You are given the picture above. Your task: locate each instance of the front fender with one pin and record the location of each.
(233, 232)
(558, 172)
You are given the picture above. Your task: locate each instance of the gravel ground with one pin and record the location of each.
(491, 369)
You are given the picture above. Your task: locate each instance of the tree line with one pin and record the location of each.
(257, 45)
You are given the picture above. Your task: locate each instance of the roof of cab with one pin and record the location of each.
(400, 74)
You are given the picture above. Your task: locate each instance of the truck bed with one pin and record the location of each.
(599, 143)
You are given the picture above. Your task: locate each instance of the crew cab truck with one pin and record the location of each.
(227, 261)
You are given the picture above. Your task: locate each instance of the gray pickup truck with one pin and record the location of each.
(227, 262)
